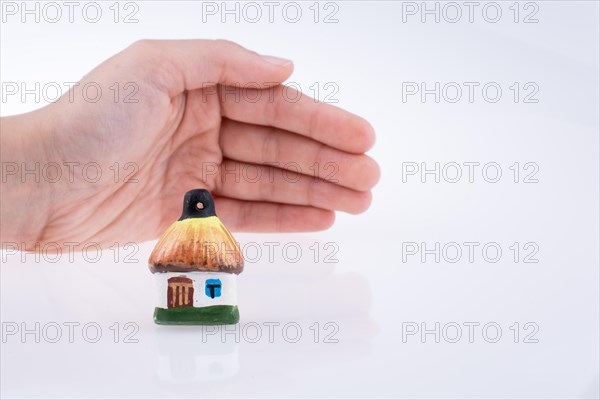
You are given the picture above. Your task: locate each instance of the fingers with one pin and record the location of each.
(245, 216)
(285, 108)
(261, 145)
(262, 183)
(178, 65)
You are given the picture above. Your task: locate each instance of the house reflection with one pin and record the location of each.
(329, 309)
(183, 357)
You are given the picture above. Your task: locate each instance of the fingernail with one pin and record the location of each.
(276, 60)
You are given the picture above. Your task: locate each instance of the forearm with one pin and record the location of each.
(25, 195)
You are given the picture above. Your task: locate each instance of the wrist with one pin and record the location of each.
(26, 193)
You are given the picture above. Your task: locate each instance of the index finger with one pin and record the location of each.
(286, 108)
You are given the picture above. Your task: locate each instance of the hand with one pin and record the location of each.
(186, 130)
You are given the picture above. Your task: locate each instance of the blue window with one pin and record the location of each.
(213, 288)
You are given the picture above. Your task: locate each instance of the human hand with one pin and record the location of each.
(185, 131)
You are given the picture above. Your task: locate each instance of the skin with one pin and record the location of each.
(187, 130)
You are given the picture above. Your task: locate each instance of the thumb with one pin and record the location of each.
(194, 64)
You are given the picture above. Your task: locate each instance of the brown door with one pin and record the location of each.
(180, 292)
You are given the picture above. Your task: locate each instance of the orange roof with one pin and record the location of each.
(198, 241)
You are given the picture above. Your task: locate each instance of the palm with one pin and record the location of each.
(192, 157)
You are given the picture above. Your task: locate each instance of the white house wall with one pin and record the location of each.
(228, 287)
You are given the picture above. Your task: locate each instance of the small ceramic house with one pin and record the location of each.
(196, 262)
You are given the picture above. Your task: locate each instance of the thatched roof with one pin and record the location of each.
(197, 242)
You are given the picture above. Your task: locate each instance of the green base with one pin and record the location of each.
(212, 315)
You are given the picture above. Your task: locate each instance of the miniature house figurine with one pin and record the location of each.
(196, 262)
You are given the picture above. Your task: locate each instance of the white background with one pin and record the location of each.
(371, 295)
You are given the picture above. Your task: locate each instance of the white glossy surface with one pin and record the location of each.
(371, 296)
